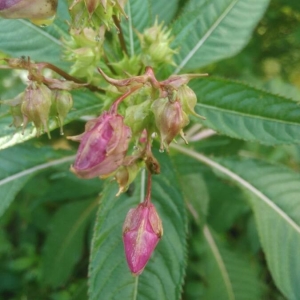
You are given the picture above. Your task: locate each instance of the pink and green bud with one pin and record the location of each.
(40, 12)
(142, 231)
(170, 119)
(102, 147)
(36, 106)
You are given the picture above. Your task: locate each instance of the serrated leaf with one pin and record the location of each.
(212, 30)
(138, 13)
(22, 38)
(246, 113)
(18, 164)
(109, 276)
(64, 244)
(85, 103)
(229, 275)
(275, 198)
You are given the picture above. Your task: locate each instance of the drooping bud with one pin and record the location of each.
(188, 100)
(39, 12)
(127, 173)
(62, 104)
(170, 119)
(102, 147)
(155, 44)
(36, 106)
(142, 231)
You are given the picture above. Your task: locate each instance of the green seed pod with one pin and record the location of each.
(36, 106)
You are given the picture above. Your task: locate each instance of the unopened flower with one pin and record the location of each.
(36, 106)
(170, 119)
(155, 44)
(40, 12)
(103, 146)
(62, 103)
(142, 231)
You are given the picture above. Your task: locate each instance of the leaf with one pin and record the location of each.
(22, 38)
(277, 213)
(164, 10)
(109, 276)
(246, 113)
(64, 244)
(138, 13)
(85, 103)
(229, 275)
(212, 30)
(275, 198)
(18, 164)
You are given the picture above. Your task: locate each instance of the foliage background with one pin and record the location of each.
(46, 231)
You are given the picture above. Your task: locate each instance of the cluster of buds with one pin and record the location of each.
(42, 98)
(104, 145)
(96, 12)
(155, 45)
(39, 12)
(84, 49)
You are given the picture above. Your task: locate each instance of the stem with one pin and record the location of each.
(69, 77)
(114, 107)
(149, 186)
(120, 35)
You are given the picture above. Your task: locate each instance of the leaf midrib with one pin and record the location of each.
(242, 182)
(256, 117)
(34, 169)
(205, 36)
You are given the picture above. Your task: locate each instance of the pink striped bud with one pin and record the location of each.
(102, 147)
(142, 231)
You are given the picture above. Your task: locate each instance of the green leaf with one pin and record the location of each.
(229, 275)
(64, 244)
(85, 103)
(163, 10)
(212, 30)
(277, 212)
(138, 13)
(275, 198)
(22, 38)
(109, 276)
(246, 113)
(18, 164)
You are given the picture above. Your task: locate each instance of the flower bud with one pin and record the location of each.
(102, 147)
(155, 44)
(36, 106)
(40, 12)
(62, 104)
(188, 99)
(170, 119)
(142, 231)
(136, 116)
(126, 174)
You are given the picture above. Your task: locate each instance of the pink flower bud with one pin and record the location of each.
(142, 231)
(103, 146)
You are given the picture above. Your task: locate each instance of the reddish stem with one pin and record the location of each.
(149, 188)
(114, 107)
